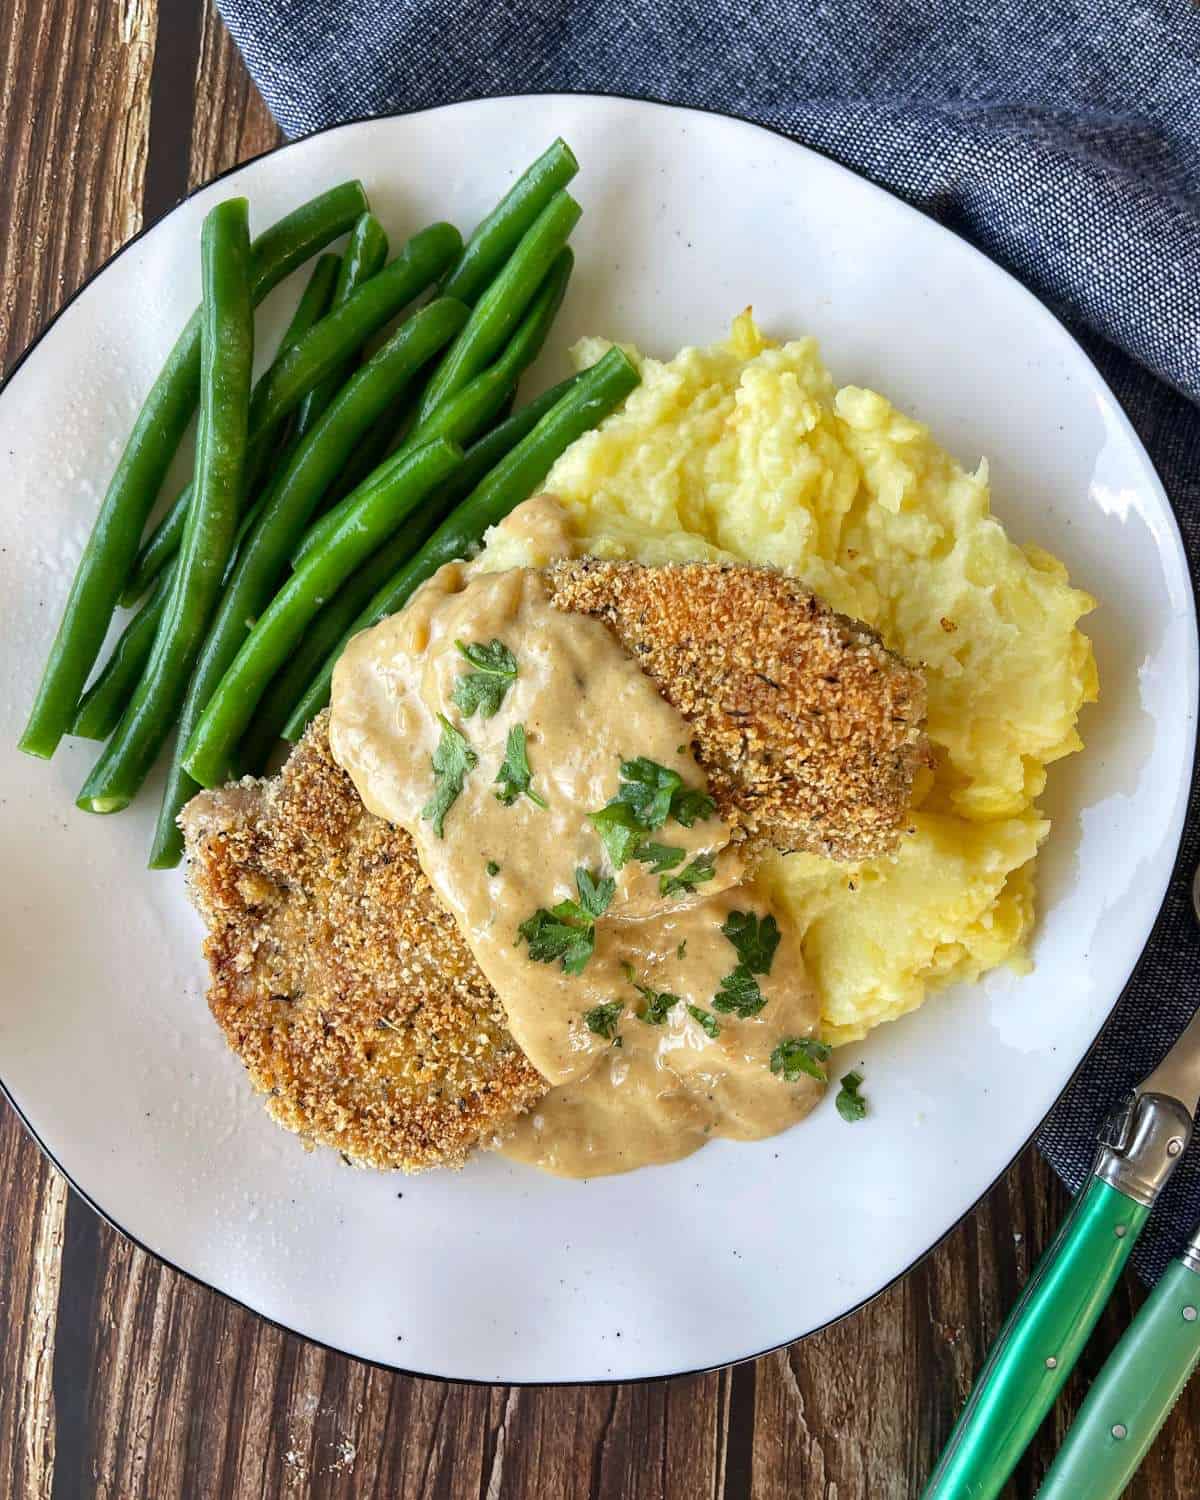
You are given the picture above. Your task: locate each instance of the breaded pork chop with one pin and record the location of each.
(338, 978)
(344, 986)
(808, 728)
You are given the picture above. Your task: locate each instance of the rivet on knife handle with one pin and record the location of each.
(1049, 1326)
(1133, 1394)
(1039, 1344)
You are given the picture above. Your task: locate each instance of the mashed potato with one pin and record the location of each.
(746, 451)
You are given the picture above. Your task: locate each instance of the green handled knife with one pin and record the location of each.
(1140, 1144)
(1133, 1394)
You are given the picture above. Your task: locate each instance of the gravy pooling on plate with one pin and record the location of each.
(658, 1021)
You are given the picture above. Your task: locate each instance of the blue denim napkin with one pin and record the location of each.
(1061, 138)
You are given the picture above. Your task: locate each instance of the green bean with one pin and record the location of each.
(101, 707)
(501, 307)
(322, 349)
(330, 627)
(163, 542)
(339, 335)
(380, 439)
(227, 355)
(134, 487)
(496, 237)
(366, 251)
(589, 399)
(472, 410)
(314, 303)
(326, 630)
(458, 420)
(384, 501)
(281, 519)
(483, 456)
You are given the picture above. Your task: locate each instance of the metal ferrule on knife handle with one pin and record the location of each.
(1047, 1329)
(1140, 1143)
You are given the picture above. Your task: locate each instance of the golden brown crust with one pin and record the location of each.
(345, 987)
(338, 978)
(808, 727)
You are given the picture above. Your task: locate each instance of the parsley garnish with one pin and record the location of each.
(484, 689)
(682, 949)
(656, 793)
(453, 761)
(568, 932)
(739, 992)
(619, 832)
(648, 788)
(492, 867)
(595, 896)
(701, 868)
(514, 777)
(658, 1002)
(850, 1103)
(801, 1054)
(692, 804)
(706, 1019)
(659, 857)
(755, 938)
(602, 1020)
(550, 938)
(648, 794)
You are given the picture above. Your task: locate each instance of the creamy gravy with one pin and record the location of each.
(585, 705)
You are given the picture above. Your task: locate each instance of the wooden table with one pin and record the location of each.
(122, 1379)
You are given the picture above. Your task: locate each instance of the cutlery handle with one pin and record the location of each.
(1038, 1344)
(1133, 1394)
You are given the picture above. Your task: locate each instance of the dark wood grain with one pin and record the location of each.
(122, 1379)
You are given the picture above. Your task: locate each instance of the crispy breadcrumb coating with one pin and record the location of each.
(347, 990)
(808, 728)
(337, 977)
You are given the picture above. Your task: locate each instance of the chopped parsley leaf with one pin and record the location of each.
(453, 761)
(550, 938)
(682, 949)
(658, 1002)
(602, 1020)
(568, 932)
(514, 777)
(706, 1019)
(739, 992)
(647, 788)
(801, 1054)
(659, 857)
(492, 867)
(692, 804)
(701, 868)
(657, 793)
(755, 938)
(484, 689)
(850, 1103)
(595, 896)
(619, 832)
(648, 794)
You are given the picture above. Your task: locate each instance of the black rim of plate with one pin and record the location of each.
(1029, 1140)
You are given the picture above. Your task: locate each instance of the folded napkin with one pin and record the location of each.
(1061, 138)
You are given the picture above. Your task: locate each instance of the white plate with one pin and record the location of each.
(498, 1273)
